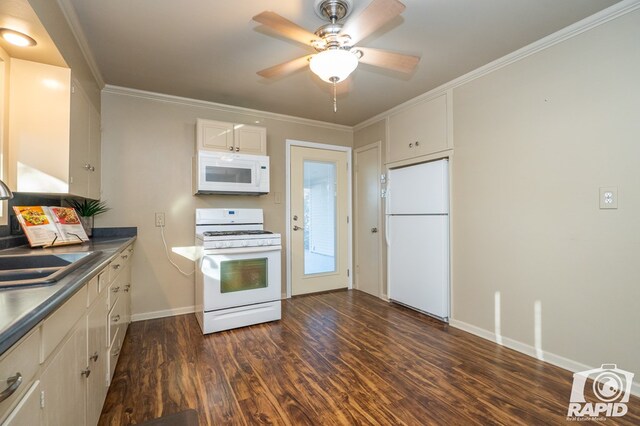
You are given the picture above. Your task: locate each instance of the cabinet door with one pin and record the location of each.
(27, 412)
(214, 135)
(418, 130)
(96, 382)
(63, 384)
(95, 136)
(79, 142)
(250, 139)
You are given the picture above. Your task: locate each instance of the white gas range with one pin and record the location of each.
(238, 278)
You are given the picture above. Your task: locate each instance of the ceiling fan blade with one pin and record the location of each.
(390, 60)
(285, 27)
(374, 16)
(285, 68)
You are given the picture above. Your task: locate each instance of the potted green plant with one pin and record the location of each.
(87, 209)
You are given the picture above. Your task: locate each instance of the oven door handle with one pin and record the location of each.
(241, 250)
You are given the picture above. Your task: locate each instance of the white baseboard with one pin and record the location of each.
(162, 314)
(551, 358)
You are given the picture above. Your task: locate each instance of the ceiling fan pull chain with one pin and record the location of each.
(335, 101)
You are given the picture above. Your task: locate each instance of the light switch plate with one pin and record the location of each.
(609, 197)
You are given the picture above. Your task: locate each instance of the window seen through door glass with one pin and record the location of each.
(319, 217)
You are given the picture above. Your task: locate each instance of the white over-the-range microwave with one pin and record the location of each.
(227, 173)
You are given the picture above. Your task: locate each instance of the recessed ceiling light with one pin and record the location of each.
(17, 38)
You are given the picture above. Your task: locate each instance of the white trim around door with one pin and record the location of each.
(348, 150)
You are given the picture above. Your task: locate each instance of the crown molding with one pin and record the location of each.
(619, 9)
(118, 90)
(70, 15)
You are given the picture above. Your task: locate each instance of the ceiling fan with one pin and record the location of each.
(335, 43)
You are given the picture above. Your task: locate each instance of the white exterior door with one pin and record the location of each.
(319, 223)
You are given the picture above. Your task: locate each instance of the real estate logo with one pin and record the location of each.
(607, 396)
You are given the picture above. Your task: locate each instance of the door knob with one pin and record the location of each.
(374, 230)
(296, 227)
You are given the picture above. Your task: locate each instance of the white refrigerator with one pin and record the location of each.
(417, 236)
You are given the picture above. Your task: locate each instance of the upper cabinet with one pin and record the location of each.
(222, 136)
(54, 133)
(421, 129)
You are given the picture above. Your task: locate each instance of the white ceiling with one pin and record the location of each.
(211, 50)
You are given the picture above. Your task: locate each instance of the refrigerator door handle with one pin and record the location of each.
(386, 215)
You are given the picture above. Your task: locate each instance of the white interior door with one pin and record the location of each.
(318, 220)
(367, 219)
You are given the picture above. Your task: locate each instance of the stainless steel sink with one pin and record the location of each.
(39, 269)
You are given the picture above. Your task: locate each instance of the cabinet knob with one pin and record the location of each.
(116, 289)
(411, 145)
(93, 169)
(124, 256)
(230, 148)
(86, 372)
(87, 166)
(417, 143)
(13, 383)
(237, 149)
(94, 357)
(116, 318)
(374, 230)
(116, 266)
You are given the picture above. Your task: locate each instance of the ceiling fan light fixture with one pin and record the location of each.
(333, 65)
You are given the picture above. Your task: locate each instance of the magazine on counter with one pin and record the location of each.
(50, 226)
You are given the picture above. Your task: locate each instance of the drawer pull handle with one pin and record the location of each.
(94, 357)
(116, 266)
(86, 372)
(116, 289)
(13, 383)
(116, 318)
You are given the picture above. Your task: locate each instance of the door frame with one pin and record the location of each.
(291, 143)
(378, 146)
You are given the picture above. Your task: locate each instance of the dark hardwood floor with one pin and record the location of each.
(334, 358)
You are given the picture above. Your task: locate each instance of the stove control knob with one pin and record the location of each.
(268, 243)
(260, 242)
(245, 243)
(218, 244)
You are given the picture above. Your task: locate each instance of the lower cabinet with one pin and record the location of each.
(27, 412)
(64, 381)
(78, 346)
(97, 384)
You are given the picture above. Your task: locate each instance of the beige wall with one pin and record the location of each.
(534, 141)
(147, 146)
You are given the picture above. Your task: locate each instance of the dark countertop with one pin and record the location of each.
(22, 309)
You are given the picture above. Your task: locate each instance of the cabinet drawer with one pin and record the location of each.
(58, 324)
(116, 288)
(27, 412)
(114, 268)
(103, 280)
(116, 319)
(22, 359)
(114, 353)
(92, 291)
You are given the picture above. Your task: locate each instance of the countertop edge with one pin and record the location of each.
(69, 285)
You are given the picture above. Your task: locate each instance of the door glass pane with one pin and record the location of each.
(227, 174)
(319, 217)
(245, 274)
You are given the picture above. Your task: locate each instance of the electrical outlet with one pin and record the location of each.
(609, 197)
(160, 219)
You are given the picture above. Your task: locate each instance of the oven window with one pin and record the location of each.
(227, 174)
(241, 275)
